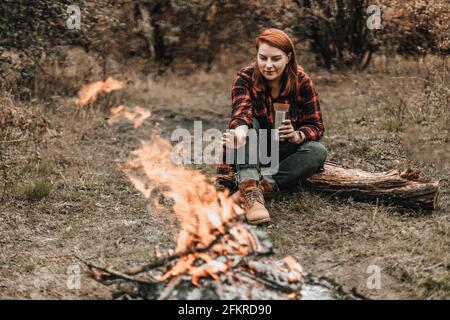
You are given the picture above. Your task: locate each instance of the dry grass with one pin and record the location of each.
(93, 210)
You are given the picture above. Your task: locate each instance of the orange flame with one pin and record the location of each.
(200, 209)
(206, 216)
(204, 213)
(89, 92)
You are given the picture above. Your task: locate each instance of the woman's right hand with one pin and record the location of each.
(236, 138)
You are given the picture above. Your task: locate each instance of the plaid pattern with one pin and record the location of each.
(249, 102)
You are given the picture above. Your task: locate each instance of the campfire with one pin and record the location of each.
(201, 273)
(217, 255)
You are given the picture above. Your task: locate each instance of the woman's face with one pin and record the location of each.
(271, 61)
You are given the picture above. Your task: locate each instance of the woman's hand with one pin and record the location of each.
(286, 131)
(236, 138)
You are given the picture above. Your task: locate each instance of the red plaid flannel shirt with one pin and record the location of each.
(249, 102)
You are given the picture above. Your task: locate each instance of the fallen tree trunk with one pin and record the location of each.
(395, 187)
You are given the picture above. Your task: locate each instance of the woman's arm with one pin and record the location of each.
(312, 126)
(236, 138)
(241, 100)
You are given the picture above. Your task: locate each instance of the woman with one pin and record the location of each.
(273, 77)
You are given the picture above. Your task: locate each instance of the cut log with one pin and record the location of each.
(395, 187)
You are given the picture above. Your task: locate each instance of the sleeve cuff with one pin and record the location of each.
(234, 123)
(304, 134)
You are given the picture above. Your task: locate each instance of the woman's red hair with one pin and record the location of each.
(289, 79)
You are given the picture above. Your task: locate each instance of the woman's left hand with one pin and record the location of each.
(286, 131)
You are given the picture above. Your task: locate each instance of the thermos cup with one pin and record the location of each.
(281, 114)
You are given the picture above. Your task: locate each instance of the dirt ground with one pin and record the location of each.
(393, 116)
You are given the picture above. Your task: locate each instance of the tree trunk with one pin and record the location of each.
(395, 187)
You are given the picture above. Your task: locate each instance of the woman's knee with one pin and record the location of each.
(316, 149)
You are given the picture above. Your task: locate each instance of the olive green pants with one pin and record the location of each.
(295, 161)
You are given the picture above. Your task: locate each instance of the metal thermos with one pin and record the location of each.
(281, 114)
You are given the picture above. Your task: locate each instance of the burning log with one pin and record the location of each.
(210, 273)
(395, 187)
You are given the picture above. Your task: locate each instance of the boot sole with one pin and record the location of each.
(260, 221)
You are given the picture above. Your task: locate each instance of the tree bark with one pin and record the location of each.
(395, 187)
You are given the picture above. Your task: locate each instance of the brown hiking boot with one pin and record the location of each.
(253, 200)
(265, 186)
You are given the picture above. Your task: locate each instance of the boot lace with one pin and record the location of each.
(252, 196)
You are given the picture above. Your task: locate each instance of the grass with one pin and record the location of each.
(36, 191)
(435, 286)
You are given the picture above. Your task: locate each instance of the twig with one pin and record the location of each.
(3, 167)
(114, 272)
(433, 266)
